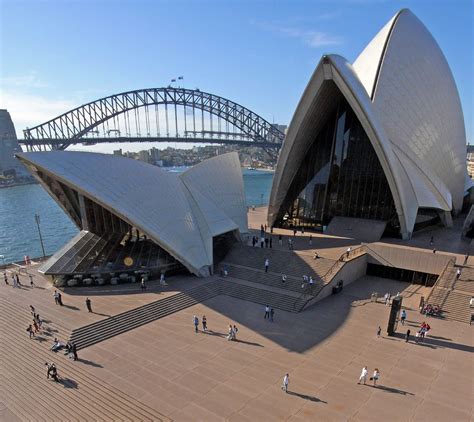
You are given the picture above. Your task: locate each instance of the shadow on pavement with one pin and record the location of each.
(68, 383)
(434, 342)
(305, 397)
(393, 390)
(89, 362)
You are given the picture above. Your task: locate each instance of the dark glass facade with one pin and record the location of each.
(340, 176)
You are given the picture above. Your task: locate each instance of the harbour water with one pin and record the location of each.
(18, 206)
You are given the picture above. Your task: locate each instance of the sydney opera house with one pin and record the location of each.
(133, 216)
(381, 139)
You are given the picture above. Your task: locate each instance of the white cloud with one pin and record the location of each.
(28, 110)
(312, 38)
(29, 80)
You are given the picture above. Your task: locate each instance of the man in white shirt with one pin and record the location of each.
(267, 264)
(267, 312)
(286, 381)
(363, 375)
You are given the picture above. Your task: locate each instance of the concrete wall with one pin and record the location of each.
(350, 272)
(408, 259)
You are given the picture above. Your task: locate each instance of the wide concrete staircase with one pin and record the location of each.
(80, 396)
(96, 332)
(291, 263)
(292, 283)
(452, 296)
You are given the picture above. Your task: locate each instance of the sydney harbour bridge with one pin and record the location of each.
(156, 115)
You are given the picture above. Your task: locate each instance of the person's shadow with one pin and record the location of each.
(74, 308)
(68, 383)
(306, 397)
(393, 390)
(89, 362)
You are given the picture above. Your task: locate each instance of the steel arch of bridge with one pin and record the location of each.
(75, 123)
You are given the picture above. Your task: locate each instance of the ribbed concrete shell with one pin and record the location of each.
(403, 93)
(177, 212)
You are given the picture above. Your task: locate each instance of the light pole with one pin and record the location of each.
(37, 219)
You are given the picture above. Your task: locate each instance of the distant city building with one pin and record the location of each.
(381, 139)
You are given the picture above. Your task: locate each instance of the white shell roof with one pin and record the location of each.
(403, 92)
(170, 209)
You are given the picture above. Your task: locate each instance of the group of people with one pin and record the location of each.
(265, 242)
(365, 373)
(430, 310)
(387, 298)
(69, 348)
(196, 323)
(35, 327)
(232, 332)
(16, 283)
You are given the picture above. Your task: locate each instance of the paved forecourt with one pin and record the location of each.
(188, 376)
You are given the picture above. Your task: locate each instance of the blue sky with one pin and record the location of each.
(59, 54)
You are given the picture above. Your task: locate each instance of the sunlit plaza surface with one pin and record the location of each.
(164, 370)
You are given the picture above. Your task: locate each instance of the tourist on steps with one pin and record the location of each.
(267, 264)
(196, 323)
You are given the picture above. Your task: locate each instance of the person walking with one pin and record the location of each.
(60, 299)
(458, 274)
(235, 330)
(262, 242)
(196, 323)
(363, 375)
(403, 317)
(5, 278)
(39, 321)
(15, 284)
(286, 382)
(204, 323)
(375, 376)
(74, 351)
(52, 372)
(143, 285)
(272, 314)
(35, 326)
(407, 336)
(283, 278)
(267, 264)
(267, 312)
(316, 255)
(266, 242)
(379, 330)
(56, 297)
(18, 280)
(271, 243)
(88, 305)
(230, 333)
(30, 331)
(32, 310)
(280, 240)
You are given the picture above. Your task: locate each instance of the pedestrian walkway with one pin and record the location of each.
(28, 395)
